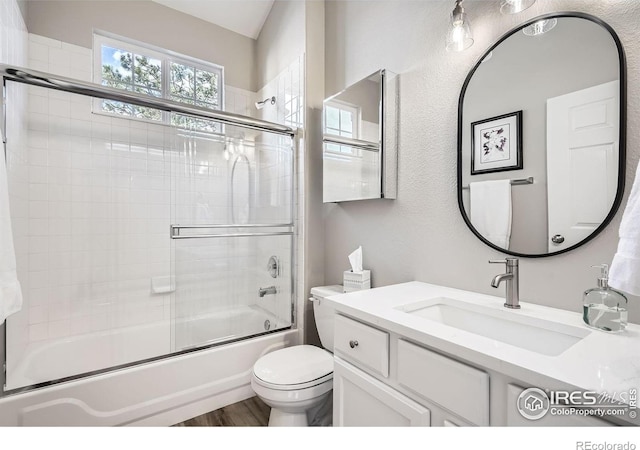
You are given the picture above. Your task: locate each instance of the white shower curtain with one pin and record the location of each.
(10, 291)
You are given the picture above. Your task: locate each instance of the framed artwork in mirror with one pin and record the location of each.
(496, 144)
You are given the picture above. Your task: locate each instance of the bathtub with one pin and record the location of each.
(160, 392)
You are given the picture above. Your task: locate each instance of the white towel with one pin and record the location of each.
(10, 291)
(625, 268)
(491, 210)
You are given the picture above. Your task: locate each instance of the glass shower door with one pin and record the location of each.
(232, 235)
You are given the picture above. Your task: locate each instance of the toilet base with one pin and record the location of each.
(279, 418)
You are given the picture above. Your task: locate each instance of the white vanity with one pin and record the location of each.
(416, 354)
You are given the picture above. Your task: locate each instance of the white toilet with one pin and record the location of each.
(296, 379)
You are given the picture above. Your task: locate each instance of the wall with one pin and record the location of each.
(73, 22)
(421, 235)
(522, 74)
(280, 40)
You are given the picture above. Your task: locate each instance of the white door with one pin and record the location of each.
(360, 400)
(582, 161)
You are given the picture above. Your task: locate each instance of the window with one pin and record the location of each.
(341, 119)
(147, 70)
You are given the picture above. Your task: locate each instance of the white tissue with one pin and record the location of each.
(355, 259)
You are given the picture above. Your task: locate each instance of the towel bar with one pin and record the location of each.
(516, 182)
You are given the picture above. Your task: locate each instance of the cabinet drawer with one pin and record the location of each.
(457, 387)
(362, 345)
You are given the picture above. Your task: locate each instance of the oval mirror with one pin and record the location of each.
(541, 136)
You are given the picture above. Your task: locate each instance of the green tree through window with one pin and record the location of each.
(149, 72)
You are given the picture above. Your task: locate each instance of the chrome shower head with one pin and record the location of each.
(260, 105)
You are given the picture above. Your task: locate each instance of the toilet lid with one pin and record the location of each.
(294, 365)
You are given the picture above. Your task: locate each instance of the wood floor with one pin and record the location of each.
(249, 413)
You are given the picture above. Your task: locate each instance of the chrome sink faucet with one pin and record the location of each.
(512, 298)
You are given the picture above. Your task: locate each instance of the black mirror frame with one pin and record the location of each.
(622, 143)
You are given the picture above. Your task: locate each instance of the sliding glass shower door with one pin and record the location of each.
(139, 240)
(232, 235)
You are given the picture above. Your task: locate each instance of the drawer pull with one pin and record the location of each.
(353, 344)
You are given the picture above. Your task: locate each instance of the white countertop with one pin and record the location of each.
(601, 362)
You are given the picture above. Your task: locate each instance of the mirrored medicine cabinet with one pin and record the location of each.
(360, 140)
(544, 108)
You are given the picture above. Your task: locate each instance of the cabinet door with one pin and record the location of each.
(458, 387)
(361, 400)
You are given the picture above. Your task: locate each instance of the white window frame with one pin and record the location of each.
(167, 57)
(356, 118)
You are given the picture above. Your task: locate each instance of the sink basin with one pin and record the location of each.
(530, 333)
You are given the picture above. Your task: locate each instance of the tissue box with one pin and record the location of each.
(356, 281)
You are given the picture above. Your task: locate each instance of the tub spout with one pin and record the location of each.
(268, 290)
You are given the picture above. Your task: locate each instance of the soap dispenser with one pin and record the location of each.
(605, 308)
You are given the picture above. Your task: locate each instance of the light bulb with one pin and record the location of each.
(540, 27)
(459, 36)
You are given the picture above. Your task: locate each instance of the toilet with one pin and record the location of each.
(297, 379)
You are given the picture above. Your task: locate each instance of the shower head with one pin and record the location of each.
(260, 105)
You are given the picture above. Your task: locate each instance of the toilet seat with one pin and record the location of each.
(293, 368)
(293, 387)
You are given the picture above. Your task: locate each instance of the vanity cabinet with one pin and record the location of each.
(383, 379)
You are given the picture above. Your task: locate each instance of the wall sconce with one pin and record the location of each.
(515, 6)
(459, 36)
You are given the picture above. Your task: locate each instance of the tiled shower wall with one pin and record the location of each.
(289, 89)
(98, 207)
(13, 50)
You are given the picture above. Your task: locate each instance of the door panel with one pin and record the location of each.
(582, 161)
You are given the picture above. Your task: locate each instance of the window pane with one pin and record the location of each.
(147, 91)
(332, 118)
(146, 113)
(206, 87)
(136, 70)
(116, 68)
(193, 123)
(147, 72)
(346, 121)
(182, 81)
(122, 109)
(189, 101)
(332, 147)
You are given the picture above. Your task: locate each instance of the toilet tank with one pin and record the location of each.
(324, 314)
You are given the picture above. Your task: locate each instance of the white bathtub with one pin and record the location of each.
(67, 357)
(162, 392)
